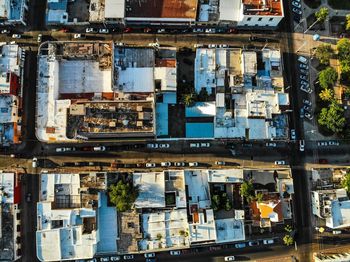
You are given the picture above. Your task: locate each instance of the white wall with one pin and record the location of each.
(253, 20)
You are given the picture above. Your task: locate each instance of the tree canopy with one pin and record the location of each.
(347, 22)
(288, 240)
(324, 53)
(326, 94)
(247, 190)
(332, 118)
(123, 195)
(189, 100)
(343, 47)
(345, 183)
(328, 77)
(322, 14)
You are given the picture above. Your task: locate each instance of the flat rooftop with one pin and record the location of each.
(262, 7)
(176, 9)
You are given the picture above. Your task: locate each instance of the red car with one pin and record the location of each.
(323, 161)
(127, 30)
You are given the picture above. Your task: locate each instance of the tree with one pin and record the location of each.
(347, 22)
(322, 14)
(123, 195)
(327, 94)
(345, 183)
(343, 47)
(288, 240)
(215, 202)
(159, 236)
(228, 205)
(328, 77)
(332, 118)
(323, 53)
(188, 100)
(247, 190)
(259, 197)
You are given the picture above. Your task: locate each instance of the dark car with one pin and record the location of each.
(29, 197)
(258, 39)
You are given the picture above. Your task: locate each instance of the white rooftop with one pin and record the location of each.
(230, 10)
(114, 9)
(225, 176)
(203, 231)
(9, 62)
(340, 215)
(198, 187)
(151, 189)
(7, 186)
(135, 79)
(167, 76)
(229, 229)
(8, 109)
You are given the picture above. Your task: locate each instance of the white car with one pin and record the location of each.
(322, 143)
(304, 72)
(128, 257)
(150, 255)
(292, 134)
(307, 108)
(103, 31)
(303, 77)
(164, 146)
(64, 149)
(268, 241)
(150, 165)
(271, 144)
(302, 59)
(229, 258)
(306, 89)
(152, 145)
(16, 36)
(175, 252)
(99, 148)
(307, 102)
(34, 162)
(192, 164)
(205, 144)
(5, 31)
(280, 162)
(116, 258)
(302, 145)
(296, 4)
(165, 164)
(333, 143)
(104, 259)
(309, 116)
(296, 10)
(195, 145)
(220, 163)
(90, 30)
(303, 66)
(179, 164)
(40, 37)
(306, 83)
(161, 31)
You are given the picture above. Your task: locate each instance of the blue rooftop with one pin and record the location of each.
(199, 130)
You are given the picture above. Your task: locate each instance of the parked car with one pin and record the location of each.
(303, 66)
(306, 89)
(271, 144)
(309, 116)
(296, 10)
(115, 258)
(29, 197)
(210, 30)
(103, 31)
(5, 31)
(229, 258)
(39, 39)
(253, 243)
(307, 102)
(179, 164)
(161, 31)
(322, 143)
(307, 108)
(193, 164)
(205, 144)
(302, 113)
(152, 146)
(150, 255)
(304, 72)
(268, 241)
(198, 30)
(164, 145)
(91, 30)
(303, 77)
(175, 252)
(279, 163)
(79, 36)
(195, 145)
(127, 30)
(323, 161)
(220, 163)
(147, 30)
(64, 149)
(150, 165)
(296, 4)
(292, 134)
(165, 164)
(16, 36)
(333, 143)
(240, 245)
(128, 257)
(99, 148)
(104, 259)
(302, 145)
(302, 59)
(303, 82)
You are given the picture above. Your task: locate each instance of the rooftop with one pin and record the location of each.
(198, 188)
(229, 229)
(179, 10)
(12, 9)
(262, 7)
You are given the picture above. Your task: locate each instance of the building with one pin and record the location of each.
(333, 206)
(100, 90)
(13, 12)
(11, 73)
(73, 219)
(10, 227)
(248, 87)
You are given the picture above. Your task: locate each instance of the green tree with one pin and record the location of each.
(327, 77)
(189, 100)
(332, 118)
(343, 47)
(326, 94)
(345, 183)
(123, 195)
(288, 228)
(247, 190)
(259, 197)
(228, 205)
(322, 14)
(324, 53)
(347, 22)
(288, 240)
(215, 202)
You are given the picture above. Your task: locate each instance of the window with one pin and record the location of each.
(271, 19)
(260, 18)
(245, 24)
(249, 18)
(256, 25)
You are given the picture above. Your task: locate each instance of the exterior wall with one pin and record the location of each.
(255, 20)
